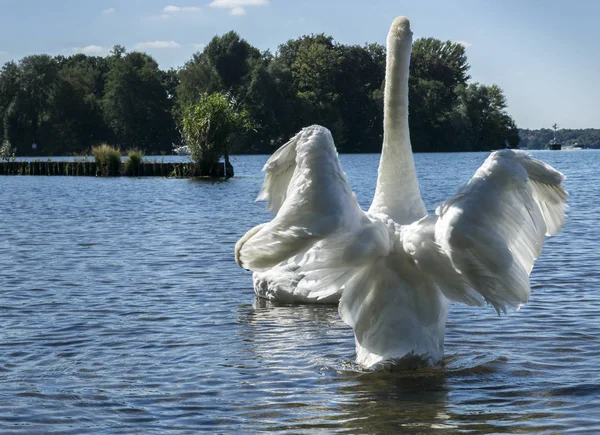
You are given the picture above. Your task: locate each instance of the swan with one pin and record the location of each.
(396, 267)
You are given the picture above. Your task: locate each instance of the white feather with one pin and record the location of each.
(312, 204)
(493, 228)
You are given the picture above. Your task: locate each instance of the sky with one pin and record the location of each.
(544, 54)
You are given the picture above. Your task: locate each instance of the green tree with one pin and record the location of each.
(208, 126)
(75, 121)
(231, 57)
(281, 98)
(436, 69)
(197, 75)
(29, 91)
(485, 122)
(9, 88)
(314, 70)
(136, 105)
(359, 81)
(270, 103)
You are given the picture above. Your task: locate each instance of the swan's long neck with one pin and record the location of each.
(397, 193)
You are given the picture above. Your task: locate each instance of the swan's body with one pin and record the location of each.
(396, 267)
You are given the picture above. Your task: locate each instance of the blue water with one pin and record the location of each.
(122, 311)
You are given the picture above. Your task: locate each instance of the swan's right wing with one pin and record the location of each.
(493, 228)
(312, 204)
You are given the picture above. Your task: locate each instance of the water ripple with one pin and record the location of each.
(122, 311)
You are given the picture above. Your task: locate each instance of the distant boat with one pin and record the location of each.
(183, 150)
(554, 144)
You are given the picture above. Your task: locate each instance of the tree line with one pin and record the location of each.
(65, 105)
(539, 139)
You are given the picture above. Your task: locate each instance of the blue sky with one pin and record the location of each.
(545, 54)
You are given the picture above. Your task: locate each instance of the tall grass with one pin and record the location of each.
(6, 151)
(108, 159)
(133, 163)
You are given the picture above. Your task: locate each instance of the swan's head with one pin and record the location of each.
(400, 30)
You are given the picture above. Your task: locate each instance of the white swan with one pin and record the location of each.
(397, 267)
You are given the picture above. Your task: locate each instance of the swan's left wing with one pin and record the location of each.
(278, 174)
(307, 188)
(493, 228)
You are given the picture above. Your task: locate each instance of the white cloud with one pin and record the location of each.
(199, 46)
(156, 44)
(174, 9)
(237, 6)
(170, 11)
(91, 50)
(3, 53)
(108, 11)
(464, 43)
(94, 49)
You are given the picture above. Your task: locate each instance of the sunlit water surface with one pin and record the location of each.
(122, 311)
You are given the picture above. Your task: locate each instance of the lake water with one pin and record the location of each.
(122, 311)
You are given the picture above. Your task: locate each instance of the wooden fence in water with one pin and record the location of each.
(92, 169)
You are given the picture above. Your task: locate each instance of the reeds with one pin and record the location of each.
(133, 163)
(108, 160)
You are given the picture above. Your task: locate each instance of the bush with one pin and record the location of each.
(133, 163)
(207, 127)
(6, 152)
(108, 159)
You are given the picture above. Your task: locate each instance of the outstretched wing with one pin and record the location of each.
(307, 188)
(493, 228)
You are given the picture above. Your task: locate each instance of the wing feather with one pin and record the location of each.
(312, 204)
(493, 228)
(278, 174)
(394, 307)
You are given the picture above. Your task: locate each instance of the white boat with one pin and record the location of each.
(183, 150)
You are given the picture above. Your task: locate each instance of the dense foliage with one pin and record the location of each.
(208, 124)
(539, 139)
(66, 105)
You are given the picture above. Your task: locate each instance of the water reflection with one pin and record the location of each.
(392, 402)
(284, 346)
(274, 331)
